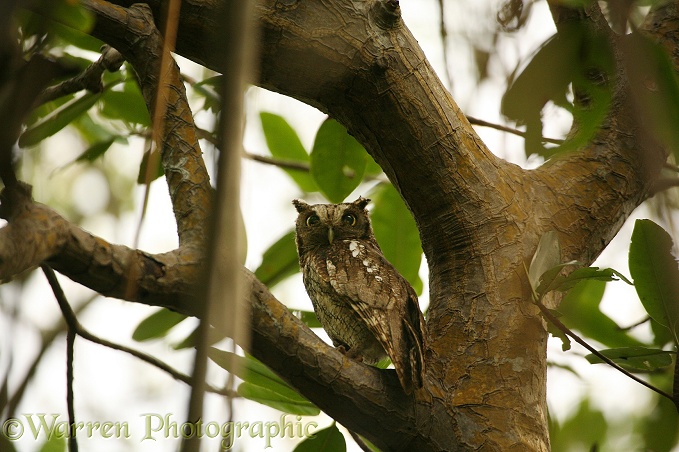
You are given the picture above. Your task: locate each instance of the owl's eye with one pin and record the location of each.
(349, 219)
(312, 220)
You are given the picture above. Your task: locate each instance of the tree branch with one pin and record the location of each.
(70, 345)
(76, 327)
(567, 331)
(89, 79)
(478, 218)
(133, 33)
(279, 338)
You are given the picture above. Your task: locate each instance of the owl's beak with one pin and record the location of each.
(331, 234)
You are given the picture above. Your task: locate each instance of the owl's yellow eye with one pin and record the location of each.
(312, 220)
(349, 219)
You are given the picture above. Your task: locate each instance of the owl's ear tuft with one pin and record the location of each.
(300, 205)
(361, 202)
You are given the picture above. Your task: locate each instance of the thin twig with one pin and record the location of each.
(671, 167)
(72, 322)
(284, 164)
(70, 343)
(663, 184)
(634, 325)
(48, 338)
(480, 122)
(296, 166)
(89, 79)
(556, 322)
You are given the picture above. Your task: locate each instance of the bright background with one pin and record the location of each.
(111, 386)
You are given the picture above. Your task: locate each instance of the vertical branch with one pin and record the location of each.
(70, 345)
(160, 104)
(225, 306)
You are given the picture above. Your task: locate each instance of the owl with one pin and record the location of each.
(367, 308)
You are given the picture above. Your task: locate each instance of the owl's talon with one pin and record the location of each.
(352, 353)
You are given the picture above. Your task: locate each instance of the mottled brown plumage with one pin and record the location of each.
(367, 308)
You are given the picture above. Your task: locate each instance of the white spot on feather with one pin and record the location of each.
(331, 267)
(354, 247)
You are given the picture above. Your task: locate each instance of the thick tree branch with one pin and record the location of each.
(618, 166)
(478, 216)
(133, 33)
(361, 395)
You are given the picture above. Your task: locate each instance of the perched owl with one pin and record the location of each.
(367, 308)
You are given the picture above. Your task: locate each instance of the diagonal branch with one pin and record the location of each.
(76, 327)
(89, 79)
(363, 398)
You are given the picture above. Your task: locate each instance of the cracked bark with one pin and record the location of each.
(480, 219)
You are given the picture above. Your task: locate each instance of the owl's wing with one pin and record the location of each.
(388, 305)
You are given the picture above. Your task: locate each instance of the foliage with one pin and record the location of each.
(656, 278)
(337, 166)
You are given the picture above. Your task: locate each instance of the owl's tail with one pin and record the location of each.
(410, 369)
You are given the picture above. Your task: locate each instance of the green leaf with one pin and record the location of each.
(92, 131)
(127, 105)
(70, 36)
(209, 89)
(567, 59)
(397, 234)
(213, 336)
(274, 400)
(159, 171)
(279, 261)
(338, 161)
(71, 14)
(308, 317)
(660, 428)
(96, 150)
(255, 372)
(371, 167)
(547, 256)
(654, 88)
(636, 359)
(54, 443)
(261, 384)
(551, 279)
(580, 311)
(55, 15)
(656, 274)
(157, 325)
(661, 334)
(564, 283)
(327, 440)
(284, 144)
(582, 431)
(39, 112)
(57, 120)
